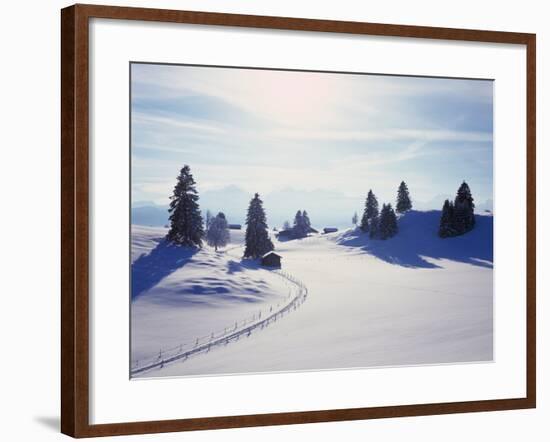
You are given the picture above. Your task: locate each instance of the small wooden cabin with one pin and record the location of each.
(271, 259)
(330, 230)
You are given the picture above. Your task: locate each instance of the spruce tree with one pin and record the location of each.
(300, 228)
(403, 199)
(186, 225)
(370, 212)
(354, 219)
(217, 234)
(393, 221)
(446, 228)
(388, 222)
(383, 223)
(257, 241)
(464, 219)
(307, 222)
(374, 224)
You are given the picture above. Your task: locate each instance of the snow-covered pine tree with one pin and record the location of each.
(257, 241)
(464, 219)
(355, 219)
(186, 226)
(403, 199)
(370, 212)
(446, 228)
(217, 234)
(287, 226)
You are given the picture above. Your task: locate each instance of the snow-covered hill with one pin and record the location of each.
(413, 299)
(180, 295)
(417, 244)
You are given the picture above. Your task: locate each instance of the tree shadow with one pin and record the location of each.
(234, 267)
(164, 259)
(417, 240)
(249, 264)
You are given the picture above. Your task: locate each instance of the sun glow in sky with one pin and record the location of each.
(268, 131)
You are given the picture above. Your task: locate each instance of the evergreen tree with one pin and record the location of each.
(186, 225)
(393, 221)
(354, 219)
(257, 241)
(370, 212)
(464, 219)
(298, 223)
(458, 218)
(217, 234)
(388, 222)
(208, 219)
(403, 199)
(307, 222)
(300, 228)
(287, 226)
(374, 224)
(446, 227)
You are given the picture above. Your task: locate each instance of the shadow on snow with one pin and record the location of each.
(417, 239)
(164, 259)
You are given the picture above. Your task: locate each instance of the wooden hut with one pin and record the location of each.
(271, 259)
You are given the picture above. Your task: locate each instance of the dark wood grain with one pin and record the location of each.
(531, 221)
(68, 343)
(75, 219)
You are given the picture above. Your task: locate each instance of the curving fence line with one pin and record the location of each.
(297, 295)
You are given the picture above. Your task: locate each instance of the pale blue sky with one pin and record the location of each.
(269, 131)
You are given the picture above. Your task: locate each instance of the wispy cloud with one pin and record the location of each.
(262, 130)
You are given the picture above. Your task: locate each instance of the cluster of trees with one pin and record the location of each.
(302, 224)
(187, 226)
(458, 217)
(186, 223)
(382, 224)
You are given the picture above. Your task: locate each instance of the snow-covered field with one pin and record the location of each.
(179, 296)
(412, 299)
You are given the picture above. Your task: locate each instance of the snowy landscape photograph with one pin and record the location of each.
(297, 221)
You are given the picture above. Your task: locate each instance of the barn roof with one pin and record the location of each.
(271, 253)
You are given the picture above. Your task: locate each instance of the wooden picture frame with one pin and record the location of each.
(75, 247)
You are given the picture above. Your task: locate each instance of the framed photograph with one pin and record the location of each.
(272, 220)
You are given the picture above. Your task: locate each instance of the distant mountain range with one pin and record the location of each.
(325, 208)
